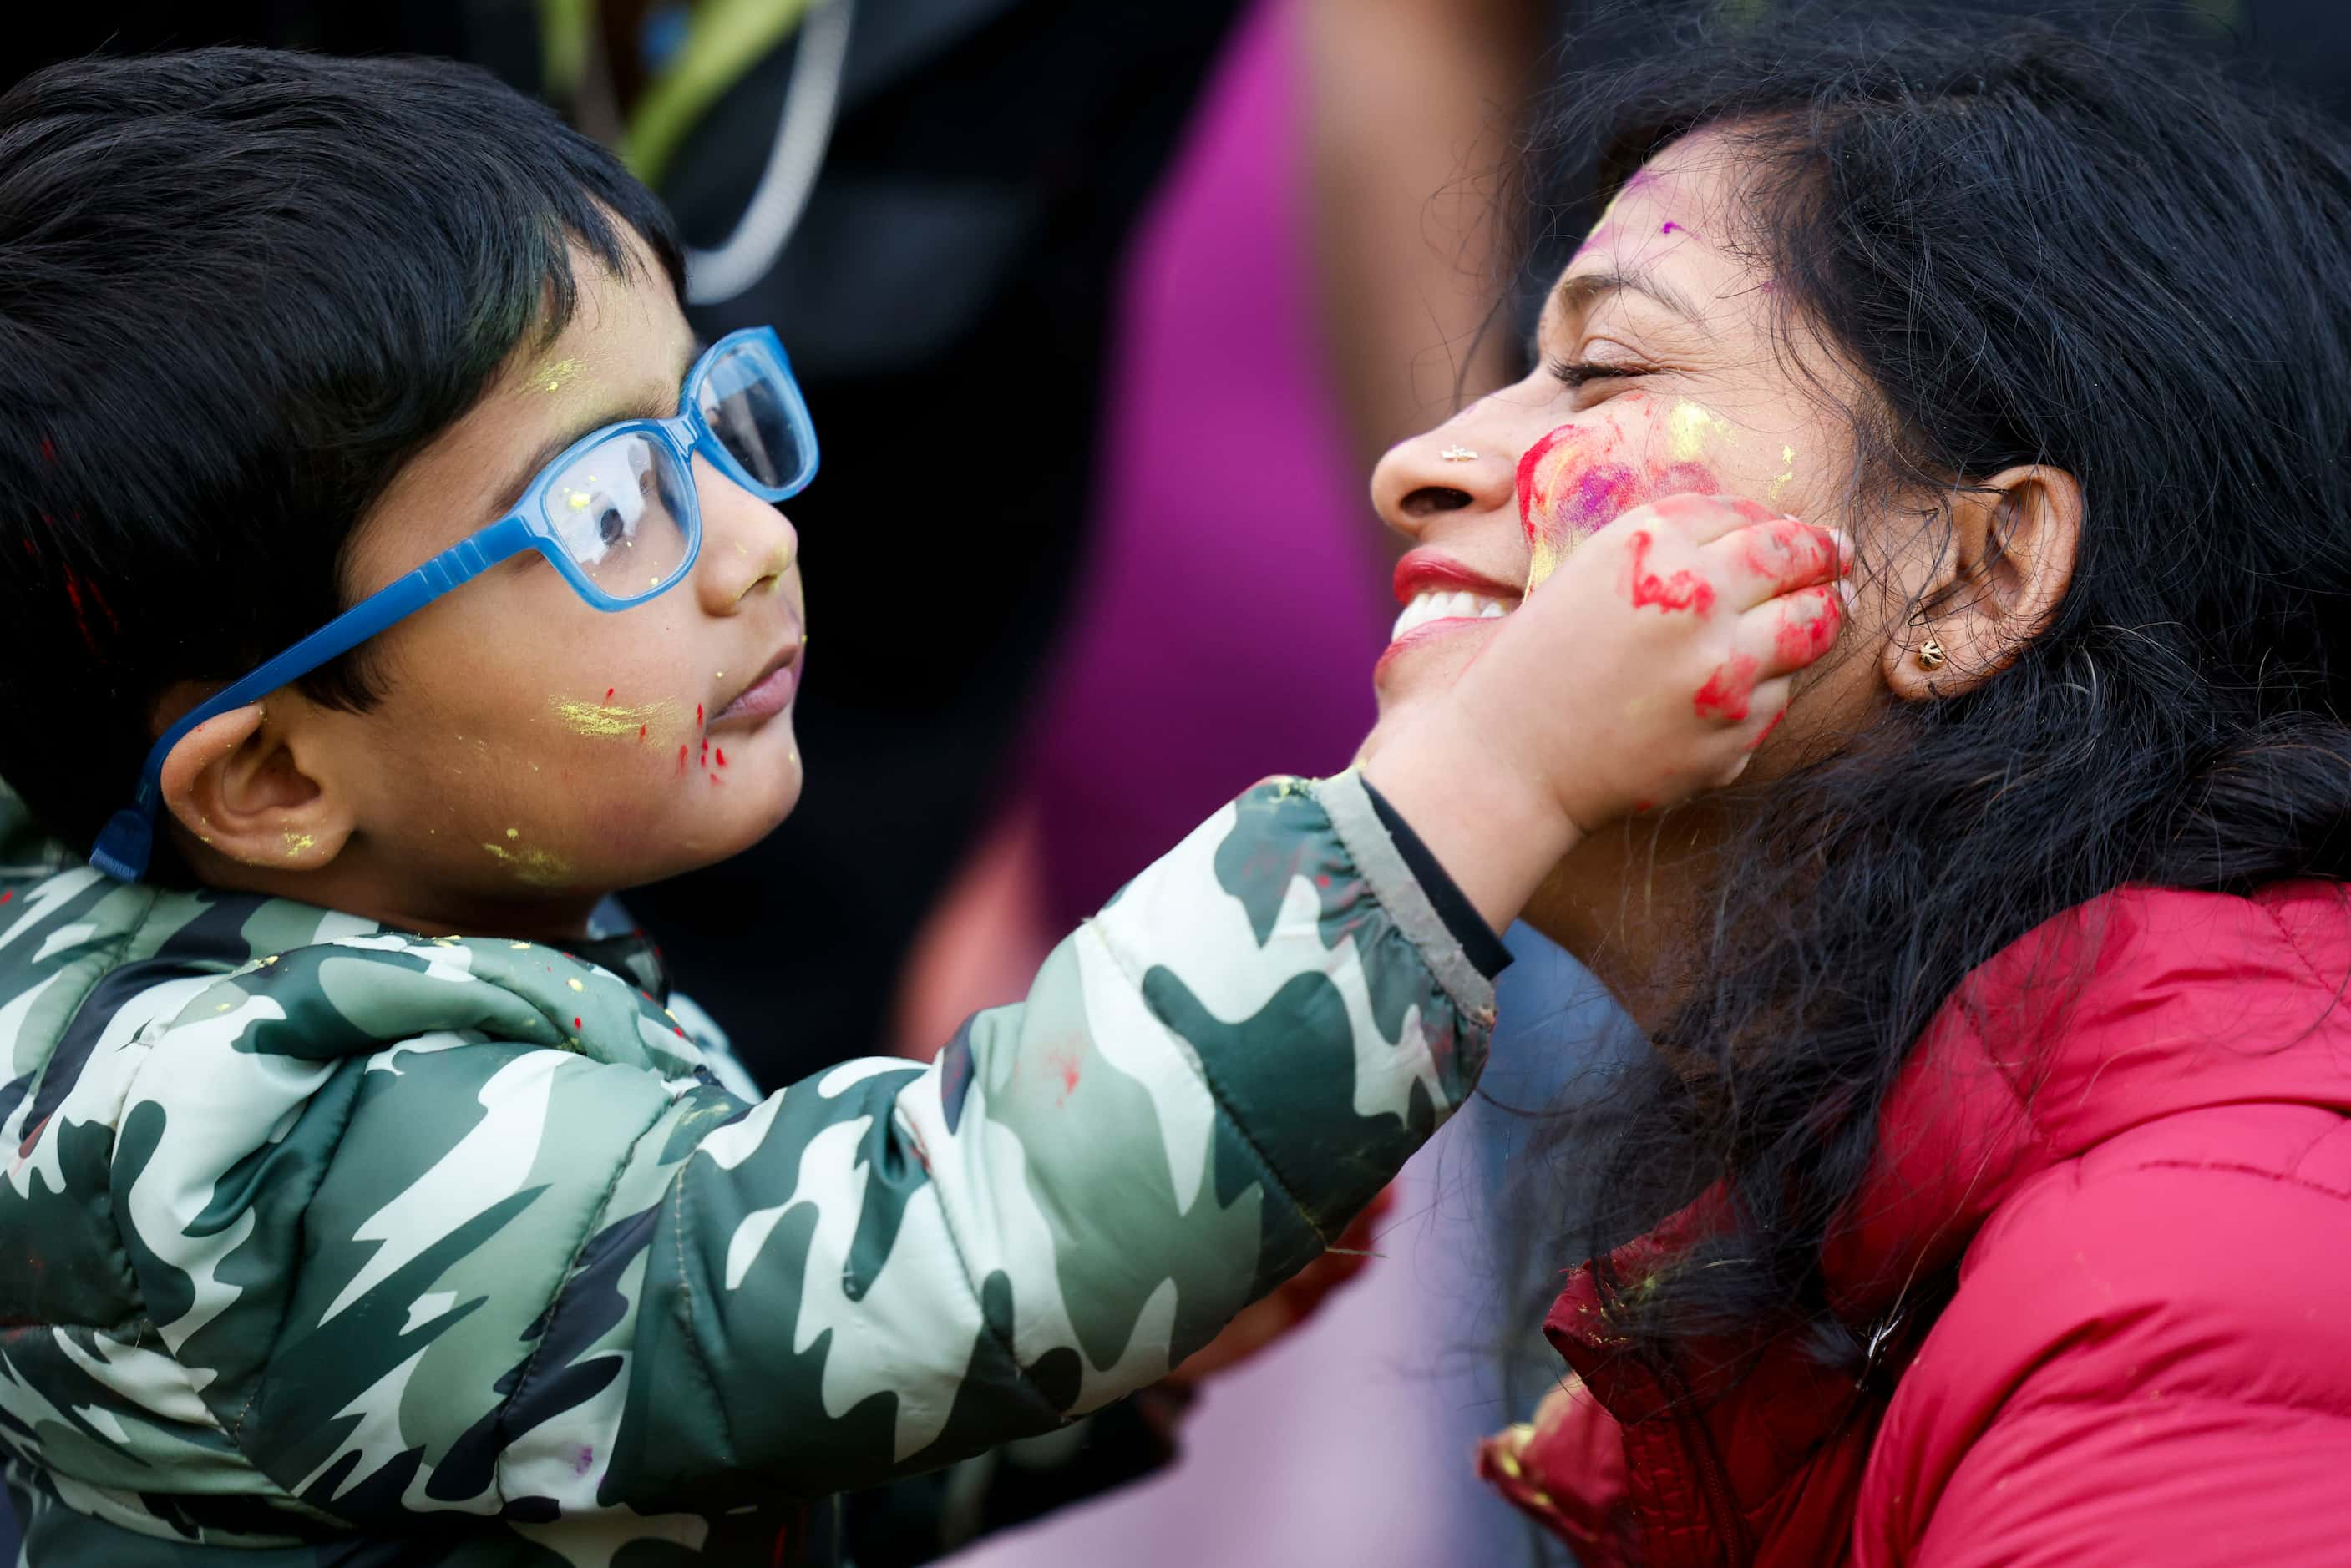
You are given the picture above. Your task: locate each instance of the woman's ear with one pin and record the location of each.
(235, 786)
(2007, 561)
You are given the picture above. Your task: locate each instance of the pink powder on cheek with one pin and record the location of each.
(1570, 483)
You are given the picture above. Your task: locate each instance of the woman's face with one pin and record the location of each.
(1659, 372)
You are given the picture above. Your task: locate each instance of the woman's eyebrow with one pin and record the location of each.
(1579, 292)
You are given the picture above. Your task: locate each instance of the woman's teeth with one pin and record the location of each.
(1426, 607)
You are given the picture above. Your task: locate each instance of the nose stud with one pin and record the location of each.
(1458, 454)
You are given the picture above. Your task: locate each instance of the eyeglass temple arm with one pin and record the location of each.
(125, 846)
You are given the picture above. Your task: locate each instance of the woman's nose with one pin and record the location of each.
(1452, 468)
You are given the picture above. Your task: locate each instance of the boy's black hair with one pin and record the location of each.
(240, 288)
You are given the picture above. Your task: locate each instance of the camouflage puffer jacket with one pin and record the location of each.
(327, 1244)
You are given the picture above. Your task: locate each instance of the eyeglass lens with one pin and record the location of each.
(619, 510)
(743, 401)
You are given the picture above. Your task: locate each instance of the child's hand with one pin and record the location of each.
(1658, 655)
(1647, 666)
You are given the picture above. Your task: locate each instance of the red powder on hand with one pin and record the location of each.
(1684, 590)
(1725, 693)
(1802, 637)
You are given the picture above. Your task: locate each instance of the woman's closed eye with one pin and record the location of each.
(1575, 373)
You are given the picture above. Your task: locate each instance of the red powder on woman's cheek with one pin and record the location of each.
(1725, 693)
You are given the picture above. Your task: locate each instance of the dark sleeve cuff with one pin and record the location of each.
(1477, 940)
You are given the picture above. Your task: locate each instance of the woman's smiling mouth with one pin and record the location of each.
(1434, 588)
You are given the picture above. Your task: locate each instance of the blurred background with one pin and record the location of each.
(1104, 309)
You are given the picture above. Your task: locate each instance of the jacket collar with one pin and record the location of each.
(2145, 1003)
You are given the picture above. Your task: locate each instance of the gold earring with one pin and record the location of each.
(1931, 655)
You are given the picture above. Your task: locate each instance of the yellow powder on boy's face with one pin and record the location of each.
(550, 377)
(648, 721)
(532, 868)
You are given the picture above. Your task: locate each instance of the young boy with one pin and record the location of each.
(385, 561)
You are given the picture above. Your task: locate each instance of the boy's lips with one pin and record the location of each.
(770, 693)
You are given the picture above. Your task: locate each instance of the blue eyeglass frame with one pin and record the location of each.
(123, 849)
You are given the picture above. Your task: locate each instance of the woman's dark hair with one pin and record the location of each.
(2098, 253)
(238, 290)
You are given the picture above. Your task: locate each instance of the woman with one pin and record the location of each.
(1994, 1156)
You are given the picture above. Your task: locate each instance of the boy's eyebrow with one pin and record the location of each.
(656, 406)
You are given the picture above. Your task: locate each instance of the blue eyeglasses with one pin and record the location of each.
(616, 512)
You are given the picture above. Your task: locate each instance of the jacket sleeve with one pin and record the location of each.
(537, 1285)
(2144, 1363)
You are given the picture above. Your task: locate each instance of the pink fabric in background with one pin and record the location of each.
(1225, 630)
(1226, 621)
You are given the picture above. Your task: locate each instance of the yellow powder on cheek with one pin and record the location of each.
(1692, 429)
(551, 378)
(1787, 474)
(532, 868)
(614, 721)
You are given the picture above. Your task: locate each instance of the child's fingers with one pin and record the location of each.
(1760, 561)
(1766, 706)
(1787, 633)
(1770, 643)
(1703, 519)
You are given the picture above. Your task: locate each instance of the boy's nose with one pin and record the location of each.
(747, 544)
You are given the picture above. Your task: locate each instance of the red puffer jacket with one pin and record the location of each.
(2128, 1130)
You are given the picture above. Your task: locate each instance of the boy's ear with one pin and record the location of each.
(237, 786)
(2006, 564)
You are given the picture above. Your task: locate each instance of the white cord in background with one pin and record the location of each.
(811, 101)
